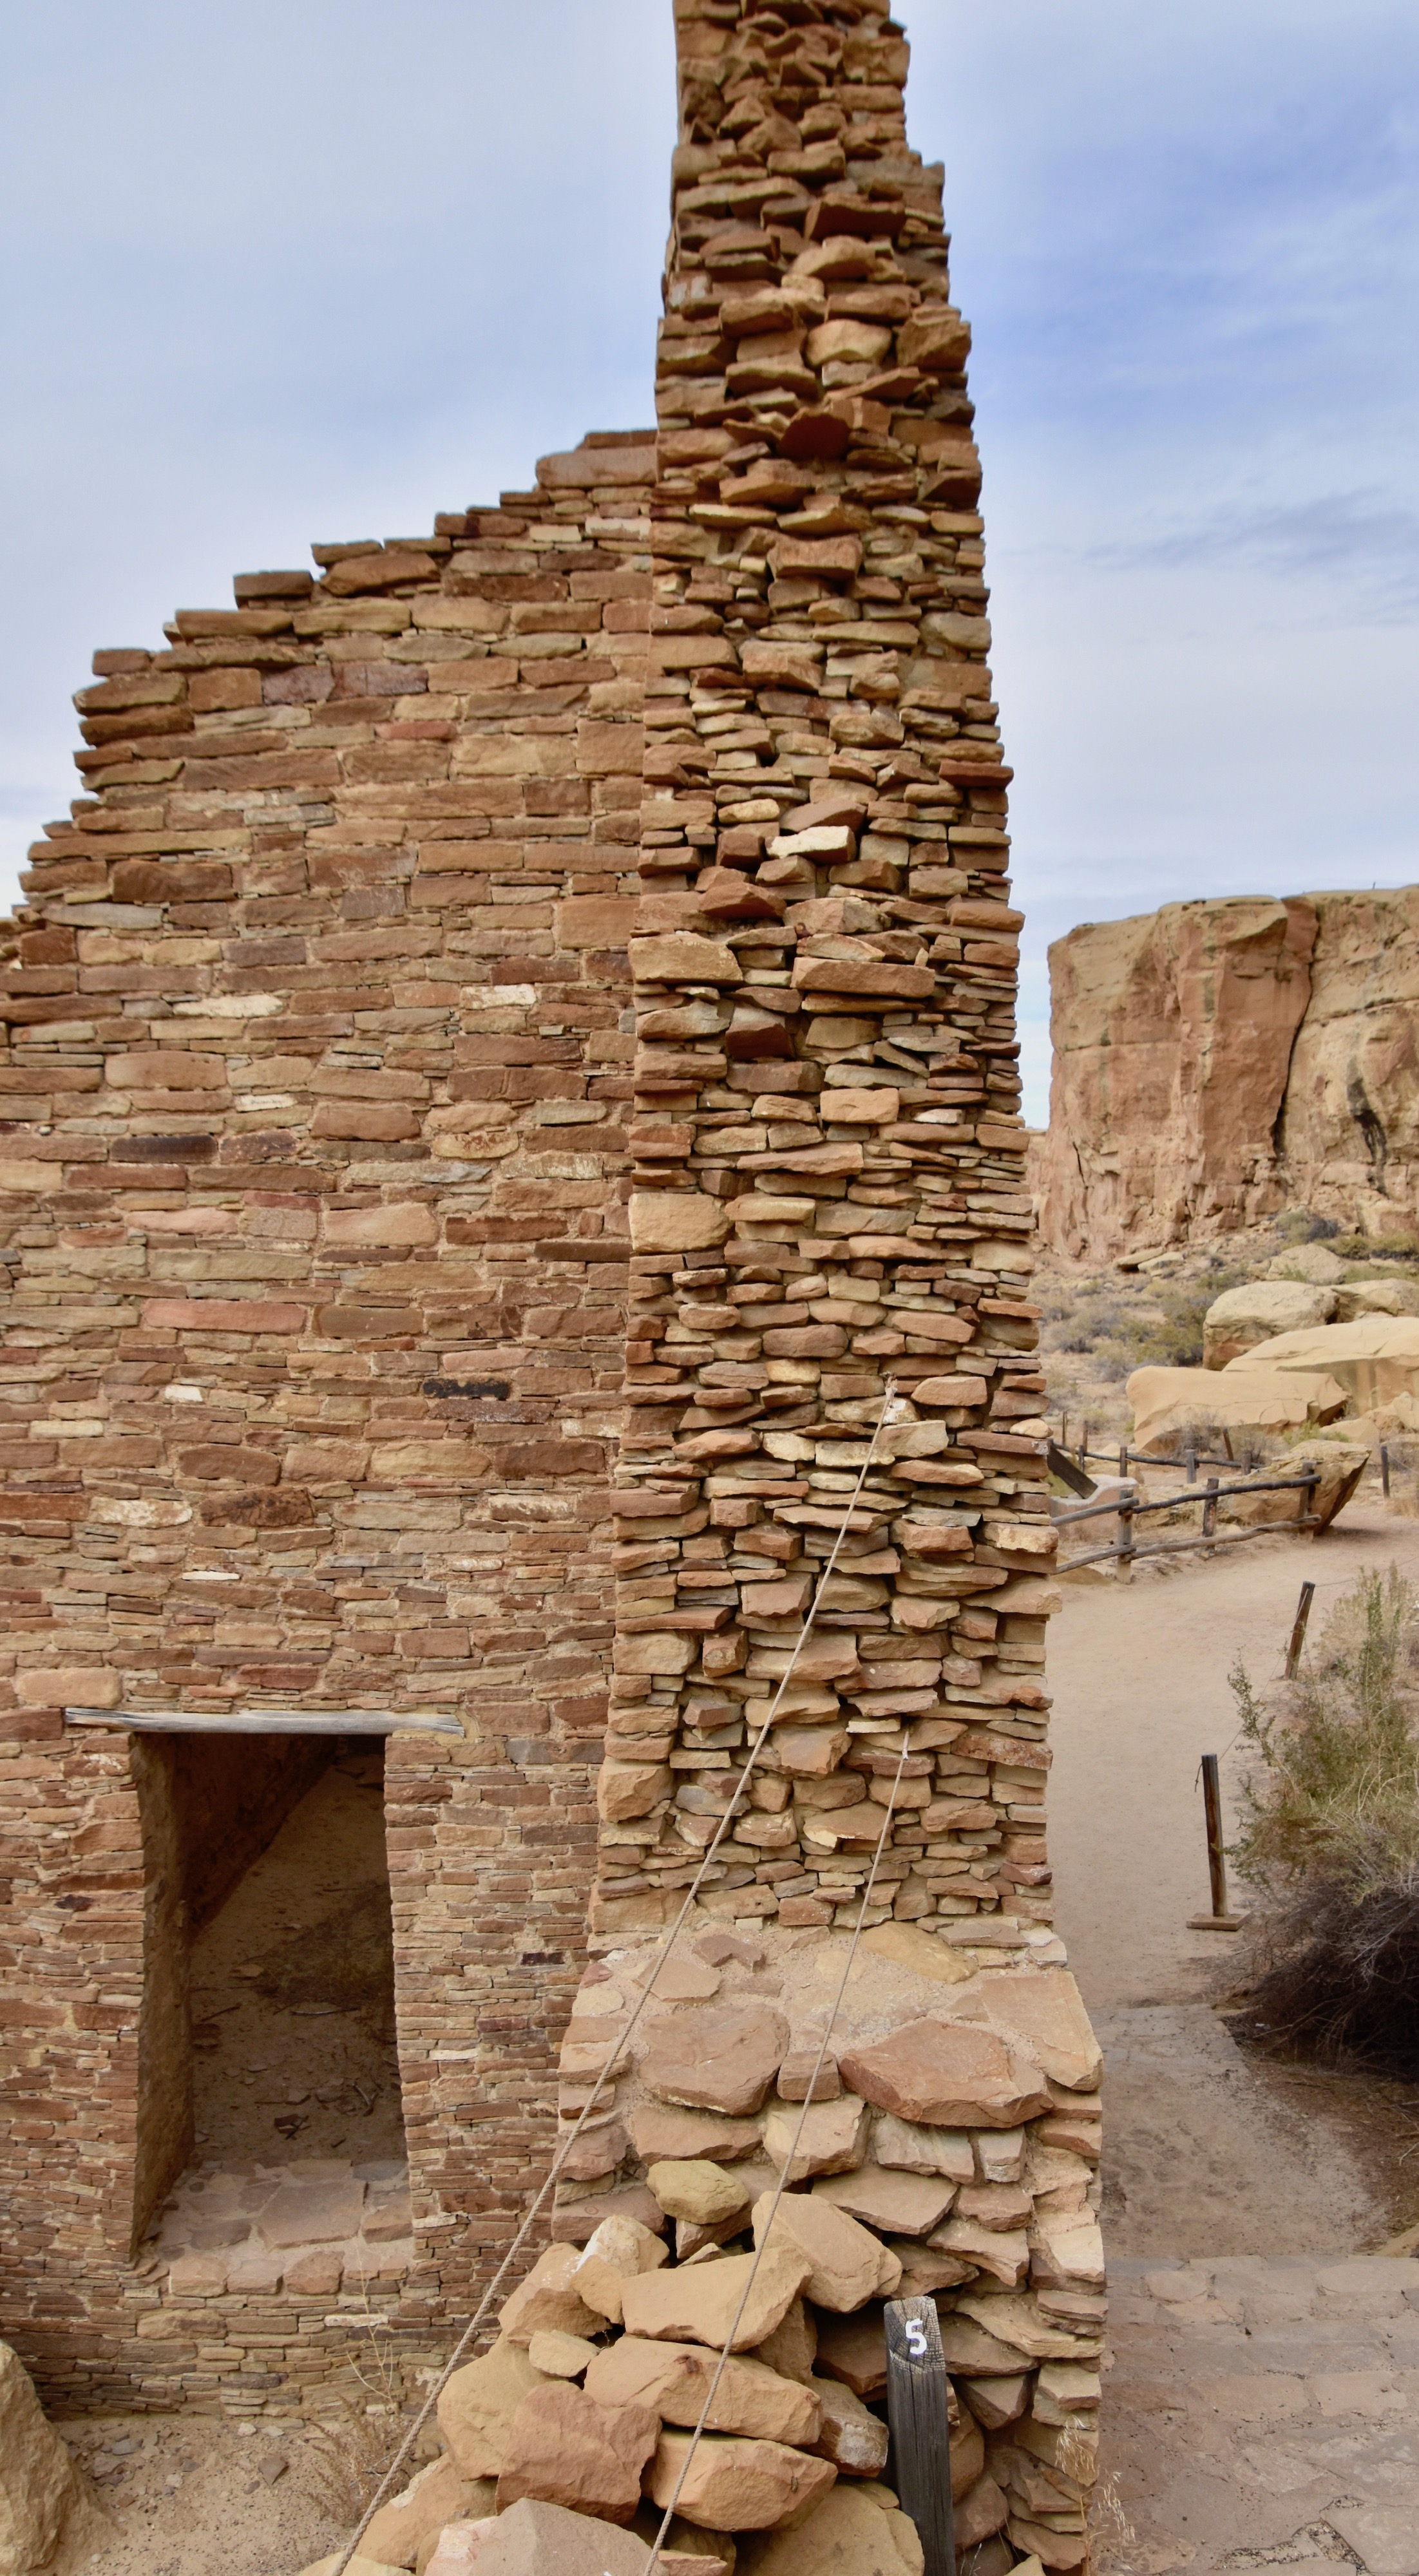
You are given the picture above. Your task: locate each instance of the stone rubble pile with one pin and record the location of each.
(951, 2150)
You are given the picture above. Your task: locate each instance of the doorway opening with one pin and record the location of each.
(268, 2045)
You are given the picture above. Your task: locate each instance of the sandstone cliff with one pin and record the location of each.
(1215, 1063)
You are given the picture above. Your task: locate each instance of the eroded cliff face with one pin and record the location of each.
(1215, 1063)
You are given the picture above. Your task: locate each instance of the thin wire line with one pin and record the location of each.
(553, 2176)
(782, 2185)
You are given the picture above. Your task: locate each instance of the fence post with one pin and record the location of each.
(1123, 1457)
(1384, 1471)
(1084, 1446)
(1221, 1919)
(1209, 1509)
(1298, 1629)
(1190, 1461)
(1125, 1527)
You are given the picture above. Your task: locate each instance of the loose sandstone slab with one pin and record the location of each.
(920, 1951)
(696, 2303)
(672, 2379)
(847, 2265)
(564, 2449)
(849, 2434)
(534, 2538)
(854, 2350)
(738, 2485)
(912, 2149)
(1045, 2006)
(312, 2213)
(560, 2356)
(695, 2189)
(895, 2203)
(547, 2300)
(658, 2131)
(834, 2136)
(439, 2494)
(948, 2075)
(724, 2058)
(480, 2401)
(847, 2534)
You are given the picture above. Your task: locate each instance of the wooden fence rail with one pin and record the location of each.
(1127, 1509)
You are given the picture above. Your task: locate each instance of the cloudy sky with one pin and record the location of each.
(316, 269)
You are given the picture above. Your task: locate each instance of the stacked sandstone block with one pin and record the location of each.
(829, 1186)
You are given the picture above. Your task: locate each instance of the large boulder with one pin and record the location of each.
(39, 2487)
(479, 2403)
(1313, 1262)
(534, 2538)
(1241, 1317)
(1360, 1297)
(1170, 1405)
(1375, 1360)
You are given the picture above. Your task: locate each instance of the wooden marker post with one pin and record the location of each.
(918, 2412)
(1298, 1629)
(1221, 1918)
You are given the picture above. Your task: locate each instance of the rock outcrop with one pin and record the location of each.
(1217, 1062)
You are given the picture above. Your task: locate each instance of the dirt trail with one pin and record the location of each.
(1211, 2151)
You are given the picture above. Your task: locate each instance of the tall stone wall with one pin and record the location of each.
(829, 1176)
(315, 1090)
(1215, 1063)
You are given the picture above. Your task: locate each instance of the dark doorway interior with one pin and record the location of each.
(269, 1996)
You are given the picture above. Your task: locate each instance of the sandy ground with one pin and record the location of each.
(1212, 2151)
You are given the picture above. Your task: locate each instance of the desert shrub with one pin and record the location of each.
(1365, 1247)
(1299, 1226)
(1330, 1836)
(1168, 1334)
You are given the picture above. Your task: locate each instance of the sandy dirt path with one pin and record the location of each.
(1210, 2152)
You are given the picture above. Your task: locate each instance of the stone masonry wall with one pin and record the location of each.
(313, 1131)
(829, 1178)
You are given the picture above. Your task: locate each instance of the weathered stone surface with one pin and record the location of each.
(833, 2140)
(913, 2149)
(1375, 1360)
(479, 2402)
(547, 2298)
(1168, 1403)
(920, 1951)
(847, 2264)
(676, 1221)
(849, 2434)
(660, 2131)
(848, 2534)
(563, 2448)
(1045, 2007)
(895, 2203)
(697, 2303)
(439, 2494)
(697, 2190)
(737, 2485)
(1241, 1317)
(312, 2213)
(616, 2251)
(460, 2546)
(854, 2350)
(723, 2058)
(39, 2487)
(534, 2538)
(948, 2075)
(673, 2379)
(1219, 1061)
(560, 2356)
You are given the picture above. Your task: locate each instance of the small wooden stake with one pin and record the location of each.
(1298, 1629)
(1384, 1470)
(918, 2412)
(1220, 1919)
